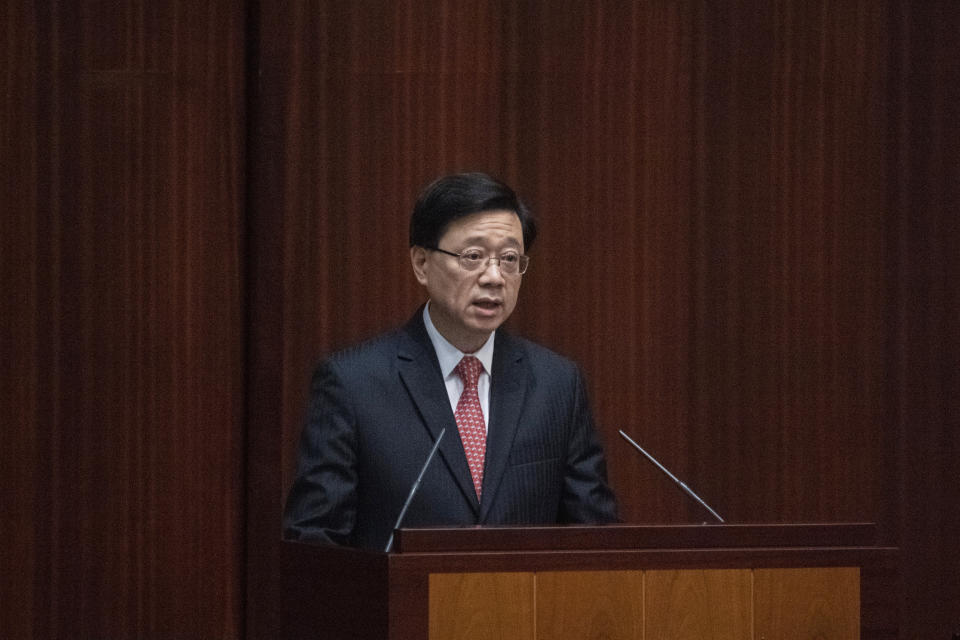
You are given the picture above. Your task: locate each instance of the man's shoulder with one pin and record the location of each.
(540, 356)
(381, 353)
(380, 348)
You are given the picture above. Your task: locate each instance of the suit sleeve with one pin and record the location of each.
(587, 496)
(322, 504)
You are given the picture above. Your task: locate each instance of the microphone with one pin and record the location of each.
(676, 480)
(413, 489)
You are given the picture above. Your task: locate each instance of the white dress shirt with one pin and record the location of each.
(449, 357)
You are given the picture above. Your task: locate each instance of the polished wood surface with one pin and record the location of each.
(807, 603)
(691, 605)
(498, 606)
(589, 604)
(749, 232)
(630, 605)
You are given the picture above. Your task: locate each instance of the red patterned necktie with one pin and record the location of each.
(469, 416)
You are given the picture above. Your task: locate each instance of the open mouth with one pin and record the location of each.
(487, 305)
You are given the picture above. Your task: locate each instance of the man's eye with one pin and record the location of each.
(510, 258)
(472, 256)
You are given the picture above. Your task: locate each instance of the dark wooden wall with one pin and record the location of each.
(923, 365)
(123, 319)
(749, 242)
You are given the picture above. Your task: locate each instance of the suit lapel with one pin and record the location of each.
(420, 374)
(508, 387)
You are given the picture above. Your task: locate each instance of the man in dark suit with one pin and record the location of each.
(520, 445)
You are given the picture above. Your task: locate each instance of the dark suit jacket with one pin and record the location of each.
(375, 411)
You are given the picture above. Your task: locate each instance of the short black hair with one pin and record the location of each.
(461, 194)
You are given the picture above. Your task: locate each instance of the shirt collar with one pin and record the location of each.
(448, 355)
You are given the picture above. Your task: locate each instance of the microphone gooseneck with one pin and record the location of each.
(675, 479)
(413, 489)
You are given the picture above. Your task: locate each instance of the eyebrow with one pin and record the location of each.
(481, 240)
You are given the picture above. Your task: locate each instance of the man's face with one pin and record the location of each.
(466, 306)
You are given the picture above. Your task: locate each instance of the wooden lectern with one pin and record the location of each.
(699, 582)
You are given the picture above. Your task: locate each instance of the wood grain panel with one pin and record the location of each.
(692, 605)
(807, 603)
(20, 382)
(498, 606)
(789, 252)
(606, 140)
(128, 142)
(590, 604)
(924, 385)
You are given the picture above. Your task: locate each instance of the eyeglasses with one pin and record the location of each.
(510, 263)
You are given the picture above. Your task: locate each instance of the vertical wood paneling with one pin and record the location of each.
(925, 350)
(125, 124)
(788, 326)
(20, 381)
(603, 149)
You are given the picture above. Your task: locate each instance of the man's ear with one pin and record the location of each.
(418, 259)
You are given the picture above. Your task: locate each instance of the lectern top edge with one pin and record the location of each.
(631, 536)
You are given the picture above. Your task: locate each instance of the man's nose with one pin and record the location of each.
(491, 270)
